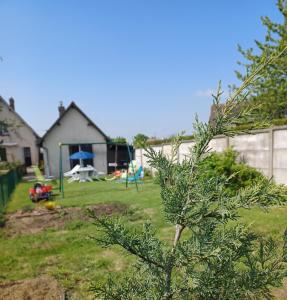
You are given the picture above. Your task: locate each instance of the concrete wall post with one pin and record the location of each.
(271, 152)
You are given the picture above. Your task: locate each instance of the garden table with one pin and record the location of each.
(84, 174)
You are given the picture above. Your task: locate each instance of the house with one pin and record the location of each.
(73, 127)
(18, 141)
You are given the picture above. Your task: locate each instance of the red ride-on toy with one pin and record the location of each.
(40, 192)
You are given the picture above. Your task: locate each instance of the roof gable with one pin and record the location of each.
(19, 117)
(74, 106)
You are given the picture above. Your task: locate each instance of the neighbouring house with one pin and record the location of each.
(73, 127)
(18, 141)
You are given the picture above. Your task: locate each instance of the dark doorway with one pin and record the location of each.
(27, 156)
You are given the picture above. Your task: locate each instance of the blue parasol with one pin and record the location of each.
(82, 155)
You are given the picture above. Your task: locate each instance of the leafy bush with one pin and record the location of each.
(225, 165)
(147, 172)
(4, 165)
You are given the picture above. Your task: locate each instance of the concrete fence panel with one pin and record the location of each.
(265, 150)
(280, 156)
(184, 150)
(218, 144)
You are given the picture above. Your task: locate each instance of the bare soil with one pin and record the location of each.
(41, 288)
(281, 293)
(23, 223)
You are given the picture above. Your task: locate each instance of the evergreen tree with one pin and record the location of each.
(212, 256)
(270, 91)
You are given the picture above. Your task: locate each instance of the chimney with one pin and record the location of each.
(61, 109)
(12, 104)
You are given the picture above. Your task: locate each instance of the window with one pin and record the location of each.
(3, 129)
(27, 156)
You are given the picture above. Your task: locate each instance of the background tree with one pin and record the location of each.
(139, 140)
(119, 140)
(270, 91)
(211, 256)
(7, 125)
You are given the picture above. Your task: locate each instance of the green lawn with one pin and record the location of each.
(74, 259)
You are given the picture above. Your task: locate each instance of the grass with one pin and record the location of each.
(73, 258)
(68, 254)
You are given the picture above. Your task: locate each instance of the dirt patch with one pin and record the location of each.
(281, 293)
(21, 223)
(32, 289)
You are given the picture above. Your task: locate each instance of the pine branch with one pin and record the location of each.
(141, 244)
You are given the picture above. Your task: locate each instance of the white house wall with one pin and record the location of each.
(74, 128)
(22, 136)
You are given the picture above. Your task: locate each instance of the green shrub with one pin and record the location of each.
(225, 165)
(4, 165)
(147, 172)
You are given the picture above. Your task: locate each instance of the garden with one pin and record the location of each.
(36, 242)
(40, 247)
(208, 227)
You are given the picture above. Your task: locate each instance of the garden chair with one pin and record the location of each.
(39, 176)
(74, 177)
(72, 172)
(136, 177)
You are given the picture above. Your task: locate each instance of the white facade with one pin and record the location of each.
(76, 128)
(20, 142)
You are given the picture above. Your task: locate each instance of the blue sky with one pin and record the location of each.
(133, 66)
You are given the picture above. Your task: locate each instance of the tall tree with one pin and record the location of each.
(139, 140)
(270, 91)
(211, 256)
